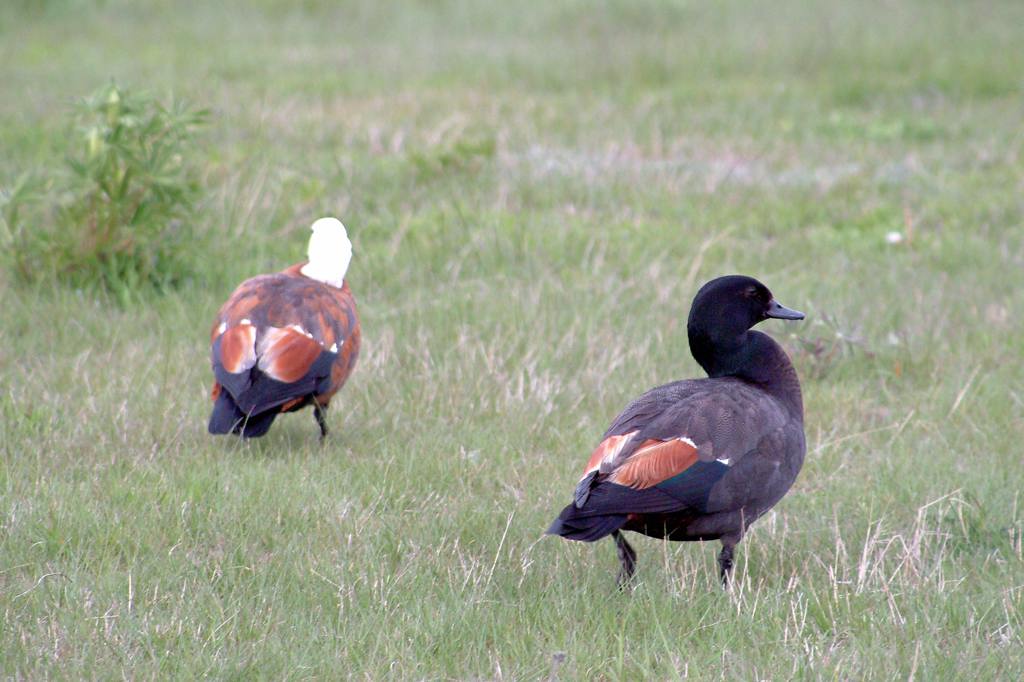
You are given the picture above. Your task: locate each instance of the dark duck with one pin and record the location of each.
(700, 459)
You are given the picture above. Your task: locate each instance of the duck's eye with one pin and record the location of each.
(751, 292)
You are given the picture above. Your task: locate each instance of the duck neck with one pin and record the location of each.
(751, 356)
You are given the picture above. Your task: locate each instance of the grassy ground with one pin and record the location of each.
(535, 193)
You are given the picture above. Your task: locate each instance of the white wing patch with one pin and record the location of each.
(298, 328)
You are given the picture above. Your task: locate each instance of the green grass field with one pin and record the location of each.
(535, 192)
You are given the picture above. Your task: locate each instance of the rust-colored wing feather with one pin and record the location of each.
(286, 354)
(654, 462)
(238, 348)
(641, 464)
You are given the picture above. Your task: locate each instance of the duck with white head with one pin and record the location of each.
(286, 340)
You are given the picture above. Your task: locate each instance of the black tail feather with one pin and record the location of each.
(258, 424)
(228, 418)
(570, 524)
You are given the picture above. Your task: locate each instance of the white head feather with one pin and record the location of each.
(330, 252)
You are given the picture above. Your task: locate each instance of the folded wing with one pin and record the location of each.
(665, 453)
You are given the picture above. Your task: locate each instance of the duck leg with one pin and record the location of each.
(318, 413)
(627, 557)
(725, 564)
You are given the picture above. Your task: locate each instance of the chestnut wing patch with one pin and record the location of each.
(287, 354)
(237, 350)
(606, 452)
(233, 356)
(654, 462)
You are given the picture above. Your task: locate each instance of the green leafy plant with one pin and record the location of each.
(121, 216)
(18, 202)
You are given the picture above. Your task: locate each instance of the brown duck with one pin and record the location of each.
(286, 340)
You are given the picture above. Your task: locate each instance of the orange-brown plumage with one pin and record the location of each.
(238, 348)
(642, 465)
(654, 462)
(281, 341)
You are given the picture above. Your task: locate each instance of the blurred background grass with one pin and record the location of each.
(534, 191)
